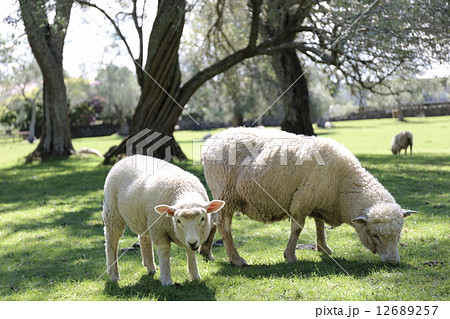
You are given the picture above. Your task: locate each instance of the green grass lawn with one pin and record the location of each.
(51, 233)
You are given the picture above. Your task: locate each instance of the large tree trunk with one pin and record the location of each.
(47, 42)
(157, 109)
(238, 118)
(288, 68)
(55, 138)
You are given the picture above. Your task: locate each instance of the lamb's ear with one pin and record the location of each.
(360, 220)
(407, 212)
(214, 206)
(162, 209)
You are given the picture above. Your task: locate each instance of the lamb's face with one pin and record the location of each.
(379, 229)
(193, 224)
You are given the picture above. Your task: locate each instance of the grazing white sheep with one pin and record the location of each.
(139, 191)
(402, 141)
(270, 175)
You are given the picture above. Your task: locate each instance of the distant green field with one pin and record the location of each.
(51, 233)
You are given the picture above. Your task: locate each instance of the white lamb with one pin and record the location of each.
(402, 141)
(270, 175)
(139, 191)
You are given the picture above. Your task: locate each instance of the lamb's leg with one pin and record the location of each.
(163, 250)
(206, 247)
(147, 254)
(192, 264)
(114, 228)
(296, 228)
(321, 243)
(224, 226)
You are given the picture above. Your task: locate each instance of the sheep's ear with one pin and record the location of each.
(162, 209)
(360, 220)
(407, 212)
(214, 206)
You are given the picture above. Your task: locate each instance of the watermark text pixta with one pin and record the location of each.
(282, 152)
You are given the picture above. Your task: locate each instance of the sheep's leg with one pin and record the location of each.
(163, 250)
(147, 254)
(296, 228)
(206, 247)
(224, 226)
(114, 228)
(321, 243)
(410, 149)
(192, 264)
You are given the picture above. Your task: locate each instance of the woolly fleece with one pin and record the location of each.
(269, 174)
(134, 188)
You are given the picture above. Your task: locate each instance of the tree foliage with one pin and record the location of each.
(119, 88)
(240, 94)
(365, 43)
(23, 94)
(371, 42)
(411, 92)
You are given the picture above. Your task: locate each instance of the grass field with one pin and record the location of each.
(51, 233)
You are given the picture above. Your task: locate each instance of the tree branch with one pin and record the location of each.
(46, 40)
(254, 30)
(139, 60)
(61, 22)
(322, 56)
(220, 7)
(117, 29)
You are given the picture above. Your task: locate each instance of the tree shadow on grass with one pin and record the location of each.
(60, 262)
(73, 223)
(150, 288)
(307, 269)
(25, 186)
(359, 266)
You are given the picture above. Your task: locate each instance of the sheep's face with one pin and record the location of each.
(395, 148)
(193, 224)
(379, 229)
